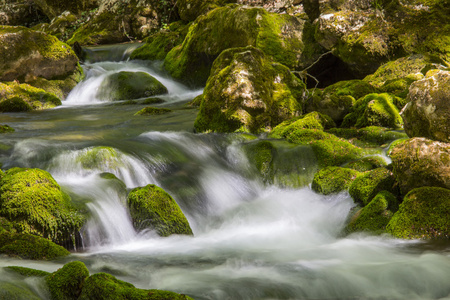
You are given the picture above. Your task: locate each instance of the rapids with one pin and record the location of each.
(251, 240)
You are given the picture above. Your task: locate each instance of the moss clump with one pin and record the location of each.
(335, 152)
(332, 180)
(314, 120)
(261, 154)
(130, 85)
(103, 286)
(369, 136)
(374, 110)
(34, 203)
(423, 214)
(337, 99)
(30, 247)
(375, 216)
(366, 163)
(152, 208)
(151, 111)
(27, 272)
(67, 282)
(368, 184)
(15, 97)
(104, 158)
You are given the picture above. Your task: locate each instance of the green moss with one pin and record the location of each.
(370, 183)
(312, 120)
(375, 216)
(34, 203)
(332, 180)
(129, 85)
(103, 286)
(98, 157)
(27, 272)
(151, 207)
(30, 247)
(23, 97)
(366, 163)
(374, 110)
(368, 136)
(12, 291)
(5, 128)
(14, 104)
(261, 154)
(423, 214)
(67, 282)
(150, 111)
(335, 152)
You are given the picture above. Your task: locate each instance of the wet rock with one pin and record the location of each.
(67, 282)
(313, 120)
(332, 180)
(151, 111)
(15, 97)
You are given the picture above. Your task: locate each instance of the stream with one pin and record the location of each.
(252, 240)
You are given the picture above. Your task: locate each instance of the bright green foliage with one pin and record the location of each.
(371, 135)
(247, 92)
(10, 291)
(30, 247)
(103, 286)
(67, 282)
(17, 97)
(366, 163)
(130, 85)
(376, 215)
(332, 180)
(337, 99)
(27, 272)
(313, 120)
(151, 207)
(368, 184)
(34, 203)
(374, 110)
(152, 111)
(261, 154)
(423, 214)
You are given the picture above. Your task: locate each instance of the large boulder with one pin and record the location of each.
(15, 97)
(427, 113)
(67, 282)
(281, 37)
(53, 8)
(419, 162)
(26, 54)
(332, 180)
(35, 204)
(152, 208)
(423, 214)
(249, 93)
(20, 12)
(129, 85)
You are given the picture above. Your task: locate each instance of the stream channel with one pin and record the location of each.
(252, 240)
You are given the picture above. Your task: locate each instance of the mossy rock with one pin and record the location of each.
(11, 291)
(126, 85)
(261, 155)
(6, 128)
(423, 214)
(369, 136)
(35, 204)
(189, 10)
(30, 247)
(420, 162)
(152, 111)
(367, 185)
(26, 272)
(279, 36)
(337, 99)
(375, 216)
(103, 286)
(374, 110)
(247, 92)
(26, 54)
(366, 163)
(159, 44)
(332, 180)
(100, 158)
(152, 208)
(53, 8)
(67, 282)
(313, 120)
(17, 97)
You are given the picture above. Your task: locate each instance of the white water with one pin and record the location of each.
(251, 240)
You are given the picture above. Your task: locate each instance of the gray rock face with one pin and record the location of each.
(428, 112)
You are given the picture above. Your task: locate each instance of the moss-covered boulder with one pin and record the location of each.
(103, 286)
(30, 246)
(54, 8)
(367, 163)
(189, 10)
(261, 154)
(337, 99)
(375, 216)
(152, 111)
(35, 204)
(370, 136)
(152, 208)
(100, 158)
(280, 37)
(367, 185)
(247, 92)
(15, 97)
(419, 162)
(67, 282)
(427, 113)
(332, 180)
(313, 120)
(126, 85)
(159, 44)
(26, 54)
(423, 214)
(374, 110)
(20, 13)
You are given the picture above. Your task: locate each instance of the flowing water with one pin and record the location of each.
(252, 240)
